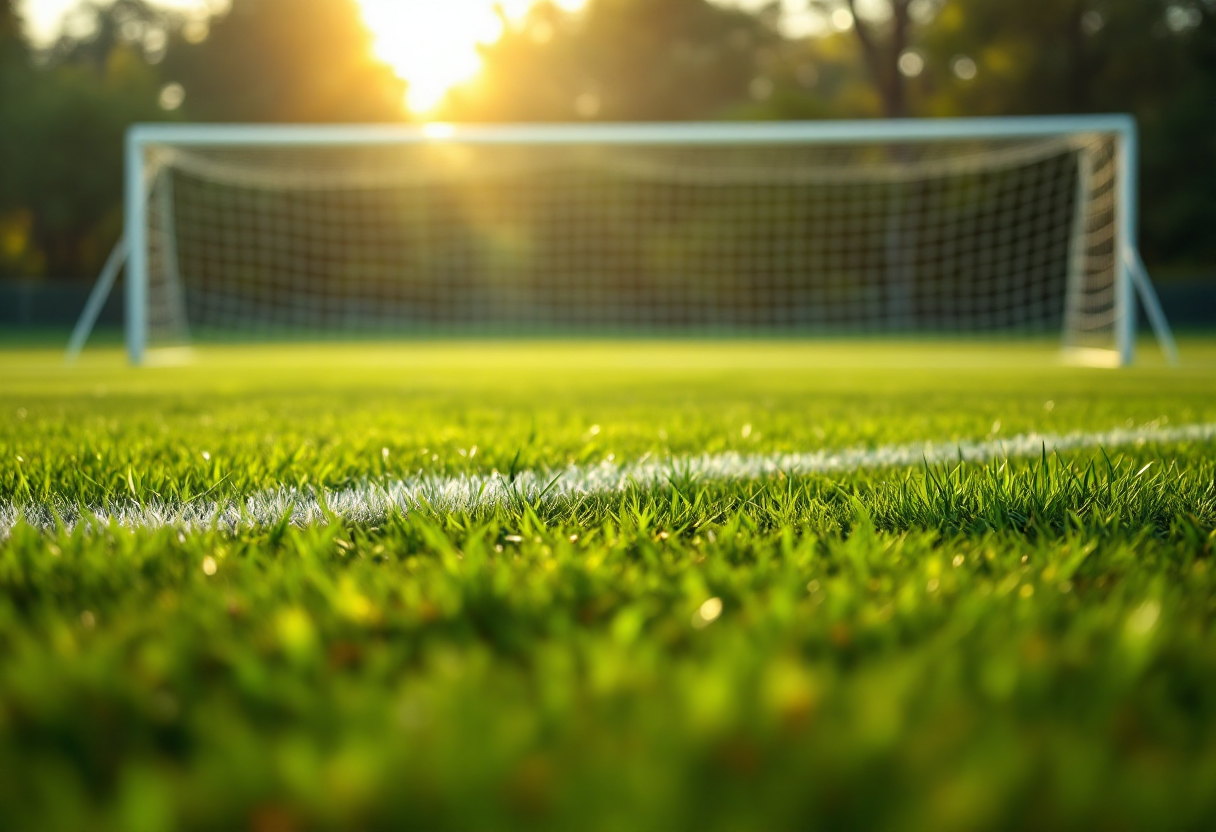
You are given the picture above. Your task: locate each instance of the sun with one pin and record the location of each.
(432, 44)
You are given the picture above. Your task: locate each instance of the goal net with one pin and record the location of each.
(1002, 227)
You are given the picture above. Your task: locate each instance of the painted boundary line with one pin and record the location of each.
(370, 502)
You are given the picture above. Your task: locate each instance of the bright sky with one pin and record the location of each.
(432, 44)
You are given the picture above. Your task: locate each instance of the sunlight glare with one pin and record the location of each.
(432, 44)
(438, 130)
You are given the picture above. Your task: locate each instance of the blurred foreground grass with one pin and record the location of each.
(1027, 645)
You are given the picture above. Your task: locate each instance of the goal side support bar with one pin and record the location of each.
(97, 300)
(141, 136)
(137, 184)
(136, 232)
(1152, 308)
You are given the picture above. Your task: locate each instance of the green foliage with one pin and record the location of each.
(14, 81)
(12, 48)
(61, 148)
(1021, 644)
(70, 193)
(1153, 58)
(617, 60)
(98, 30)
(286, 61)
(882, 44)
(309, 60)
(683, 59)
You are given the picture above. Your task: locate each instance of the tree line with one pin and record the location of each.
(64, 107)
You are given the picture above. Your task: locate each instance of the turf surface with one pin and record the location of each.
(1022, 644)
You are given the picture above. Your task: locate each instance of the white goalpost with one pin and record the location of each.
(991, 226)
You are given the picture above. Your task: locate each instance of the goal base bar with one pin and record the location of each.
(1091, 357)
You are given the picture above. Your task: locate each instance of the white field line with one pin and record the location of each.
(370, 501)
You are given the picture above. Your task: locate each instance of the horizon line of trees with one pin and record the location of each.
(64, 108)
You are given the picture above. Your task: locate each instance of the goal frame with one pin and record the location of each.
(1130, 275)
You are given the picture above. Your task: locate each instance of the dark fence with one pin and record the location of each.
(51, 304)
(1189, 301)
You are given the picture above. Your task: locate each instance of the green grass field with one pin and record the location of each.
(1023, 643)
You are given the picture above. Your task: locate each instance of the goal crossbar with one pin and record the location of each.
(678, 133)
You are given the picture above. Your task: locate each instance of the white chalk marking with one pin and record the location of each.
(370, 501)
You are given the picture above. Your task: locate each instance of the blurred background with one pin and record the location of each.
(74, 75)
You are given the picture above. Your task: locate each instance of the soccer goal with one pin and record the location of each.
(1002, 226)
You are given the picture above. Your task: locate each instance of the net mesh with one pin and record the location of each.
(940, 237)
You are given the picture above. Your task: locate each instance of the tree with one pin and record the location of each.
(1153, 58)
(10, 27)
(618, 60)
(14, 71)
(15, 78)
(132, 24)
(61, 146)
(1032, 56)
(65, 115)
(883, 56)
(70, 178)
(884, 35)
(286, 61)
